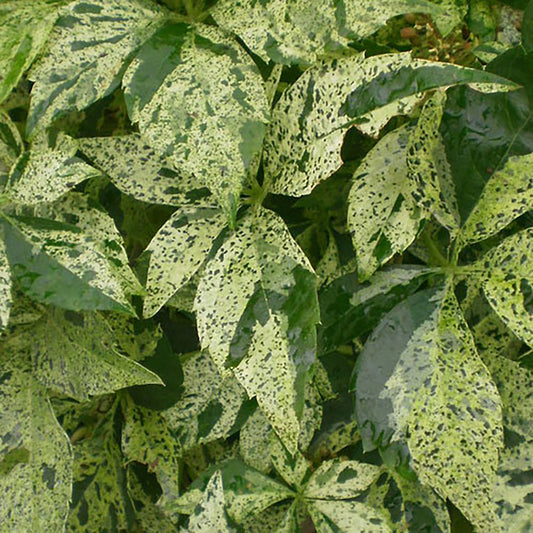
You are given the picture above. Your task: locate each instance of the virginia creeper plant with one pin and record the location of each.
(266, 265)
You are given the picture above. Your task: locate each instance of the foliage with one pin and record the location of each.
(266, 266)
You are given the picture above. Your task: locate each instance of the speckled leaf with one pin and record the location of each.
(507, 195)
(254, 442)
(73, 354)
(256, 311)
(292, 468)
(382, 215)
(429, 170)
(147, 439)
(25, 29)
(35, 456)
(5, 287)
(136, 169)
(56, 263)
(11, 146)
(304, 138)
(45, 173)
(508, 280)
(330, 516)
(210, 407)
(87, 55)
(178, 250)
(209, 514)
(340, 480)
(205, 107)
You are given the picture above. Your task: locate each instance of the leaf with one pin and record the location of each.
(420, 383)
(73, 354)
(382, 216)
(178, 250)
(507, 281)
(35, 455)
(57, 264)
(507, 195)
(254, 442)
(256, 311)
(292, 468)
(429, 170)
(25, 30)
(303, 141)
(199, 70)
(11, 146)
(135, 169)
(5, 287)
(210, 407)
(87, 55)
(44, 173)
(527, 28)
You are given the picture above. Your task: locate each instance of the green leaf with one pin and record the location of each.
(507, 282)
(507, 194)
(87, 55)
(5, 287)
(382, 216)
(178, 250)
(429, 170)
(256, 311)
(135, 169)
(46, 173)
(527, 28)
(421, 384)
(73, 354)
(303, 142)
(25, 30)
(35, 456)
(200, 69)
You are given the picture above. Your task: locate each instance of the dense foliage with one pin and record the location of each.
(266, 265)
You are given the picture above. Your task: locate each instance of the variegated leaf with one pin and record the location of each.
(508, 280)
(178, 250)
(304, 138)
(210, 103)
(35, 455)
(11, 146)
(507, 195)
(293, 468)
(25, 29)
(87, 55)
(73, 354)
(254, 440)
(429, 170)
(46, 173)
(382, 215)
(5, 286)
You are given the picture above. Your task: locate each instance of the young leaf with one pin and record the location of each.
(429, 170)
(178, 250)
(205, 108)
(304, 138)
(35, 456)
(73, 354)
(382, 216)
(507, 282)
(87, 55)
(507, 195)
(5, 287)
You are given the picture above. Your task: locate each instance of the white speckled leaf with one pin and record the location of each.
(137, 170)
(210, 407)
(87, 55)
(304, 138)
(382, 215)
(293, 468)
(178, 250)
(73, 354)
(25, 29)
(340, 480)
(507, 195)
(11, 146)
(5, 286)
(508, 281)
(44, 173)
(429, 170)
(254, 439)
(35, 456)
(205, 108)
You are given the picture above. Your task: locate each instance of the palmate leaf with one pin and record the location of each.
(87, 55)
(421, 384)
(35, 454)
(304, 138)
(25, 29)
(383, 217)
(210, 103)
(256, 309)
